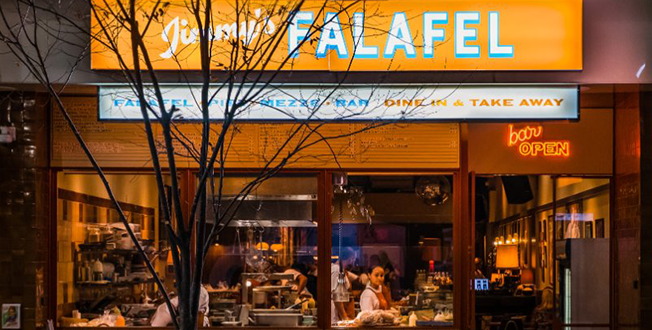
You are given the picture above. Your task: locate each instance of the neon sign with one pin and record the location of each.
(523, 138)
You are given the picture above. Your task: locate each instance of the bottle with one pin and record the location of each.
(312, 303)
(412, 320)
(304, 305)
(88, 272)
(119, 319)
(7, 128)
(80, 272)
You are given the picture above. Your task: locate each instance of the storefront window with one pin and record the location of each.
(262, 270)
(542, 247)
(392, 239)
(98, 267)
(544, 251)
(513, 267)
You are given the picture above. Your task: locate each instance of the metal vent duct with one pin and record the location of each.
(272, 211)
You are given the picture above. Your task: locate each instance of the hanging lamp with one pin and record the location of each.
(341, 293)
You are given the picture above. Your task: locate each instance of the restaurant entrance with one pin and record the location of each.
(542, 251)
(541, 208)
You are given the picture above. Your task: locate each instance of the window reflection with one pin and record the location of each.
(262, 270)
(541, 258)
(100, 273)
(392, 239)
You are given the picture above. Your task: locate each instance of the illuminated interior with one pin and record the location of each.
(98, 265)
(542, 243)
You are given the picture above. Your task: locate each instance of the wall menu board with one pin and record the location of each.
(124, 144)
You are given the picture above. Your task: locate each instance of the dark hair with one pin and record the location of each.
(306, 260)
(301, 267)
(374, 266)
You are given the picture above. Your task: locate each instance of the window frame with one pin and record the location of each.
(557, 315)
(324, 229)
(458, 258)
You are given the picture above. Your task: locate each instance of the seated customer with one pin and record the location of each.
(376, 295)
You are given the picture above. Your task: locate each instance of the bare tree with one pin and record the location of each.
(239, 62)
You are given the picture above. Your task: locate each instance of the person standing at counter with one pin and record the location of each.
(392, 275)
(300, 280)
(376, 295)
(339, 310)
(478, 268)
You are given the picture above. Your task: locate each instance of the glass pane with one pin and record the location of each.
(98, 267)
(393, 240)
(582, 250)
(265, 260)
(514, 252)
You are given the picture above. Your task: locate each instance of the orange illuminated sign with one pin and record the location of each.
(523, 139)
(406, 35)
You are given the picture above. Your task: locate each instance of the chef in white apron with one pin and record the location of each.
(162, 317)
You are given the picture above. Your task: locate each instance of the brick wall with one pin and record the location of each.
(646, 207)
(632, 197)
(25, 207)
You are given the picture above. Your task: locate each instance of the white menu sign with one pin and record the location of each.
(354, 103)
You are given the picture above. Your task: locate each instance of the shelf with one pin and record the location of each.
(112, 284)
(107, 251)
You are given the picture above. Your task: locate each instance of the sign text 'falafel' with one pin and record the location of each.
(526, 140)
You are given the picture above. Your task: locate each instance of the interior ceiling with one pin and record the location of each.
(379, 184)
(388, 184)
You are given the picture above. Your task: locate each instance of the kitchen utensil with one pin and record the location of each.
(94, 235)
(108, 269)
(298, 304)
(275, 317)
(308, 320)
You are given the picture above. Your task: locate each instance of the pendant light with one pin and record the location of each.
(341, 293)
